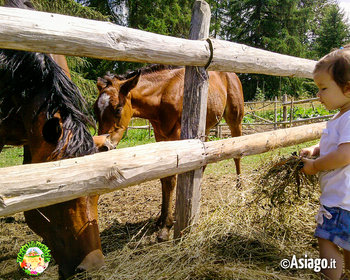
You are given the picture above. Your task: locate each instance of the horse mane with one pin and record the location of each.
(25, 74)
(21, 4)
(153, 68)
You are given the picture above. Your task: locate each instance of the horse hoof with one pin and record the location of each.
(163, 235)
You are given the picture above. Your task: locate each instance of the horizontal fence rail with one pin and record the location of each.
(54, 33)
(37, 185)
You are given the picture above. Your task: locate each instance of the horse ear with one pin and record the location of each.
(130, 84)
(101, 84)
(52, 130)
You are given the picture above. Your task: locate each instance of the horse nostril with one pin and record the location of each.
(79, 270)
(103, 149)
(82, 273)
(94, 260)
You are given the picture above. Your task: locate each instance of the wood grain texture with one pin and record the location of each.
(53, 33)
(32, 186)
(193, 121)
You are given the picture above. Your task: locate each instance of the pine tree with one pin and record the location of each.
(332, 31)
(283, 26)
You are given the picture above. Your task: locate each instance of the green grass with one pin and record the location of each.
(136, 137)
(11, 156)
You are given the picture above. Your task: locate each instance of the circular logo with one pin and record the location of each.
(34, 258)
(285, 263)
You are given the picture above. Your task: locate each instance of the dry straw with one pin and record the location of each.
(245, 236)
(282, 181)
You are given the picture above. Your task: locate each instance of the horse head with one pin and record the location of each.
(49, 108)
(113, 108)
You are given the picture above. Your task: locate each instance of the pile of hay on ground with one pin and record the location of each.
(238, 239)
(240, 233)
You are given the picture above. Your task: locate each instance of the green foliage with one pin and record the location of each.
(67, 7)
(259, 95)
(299, 112)
(78, 67)
(302, 28)
(332, 31)
(136, 137)
(286, 26)
(167, 17)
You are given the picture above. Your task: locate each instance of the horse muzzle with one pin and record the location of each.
(94, 260)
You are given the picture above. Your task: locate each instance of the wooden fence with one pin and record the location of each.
(32, 186)
(53, 33)
(37, 185)
(280, 107)
(283, 108)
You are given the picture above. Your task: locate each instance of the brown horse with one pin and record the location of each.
(156, 94)
(43, 110)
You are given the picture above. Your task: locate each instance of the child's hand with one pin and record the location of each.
(310, 152)
(309, 167)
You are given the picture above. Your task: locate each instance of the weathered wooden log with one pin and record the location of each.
(32, 186)
(245, 59)
(53, 33)
(193, 120)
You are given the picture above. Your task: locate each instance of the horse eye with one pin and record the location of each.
(118, 110)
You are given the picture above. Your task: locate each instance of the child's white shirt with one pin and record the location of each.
(335, 184)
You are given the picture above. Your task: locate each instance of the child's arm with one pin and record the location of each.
(336, 159)
(310, 151)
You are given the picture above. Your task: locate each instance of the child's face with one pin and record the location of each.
(330, 94)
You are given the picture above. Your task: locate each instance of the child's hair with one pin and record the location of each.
(337, 64)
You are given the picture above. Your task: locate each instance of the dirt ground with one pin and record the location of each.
(123, 215)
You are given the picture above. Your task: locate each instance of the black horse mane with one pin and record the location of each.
(25, 74)
(144, 71)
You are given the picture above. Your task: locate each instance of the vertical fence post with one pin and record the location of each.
(291, 112)
(193, 123)
(275, 113)
(284, 100)
(217, 131)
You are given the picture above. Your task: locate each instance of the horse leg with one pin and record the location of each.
(165, 221)
(235, 125)
(236, 130)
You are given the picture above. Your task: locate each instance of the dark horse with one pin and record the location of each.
(156, 94)
(43, 110)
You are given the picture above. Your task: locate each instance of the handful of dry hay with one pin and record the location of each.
(283, 181)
